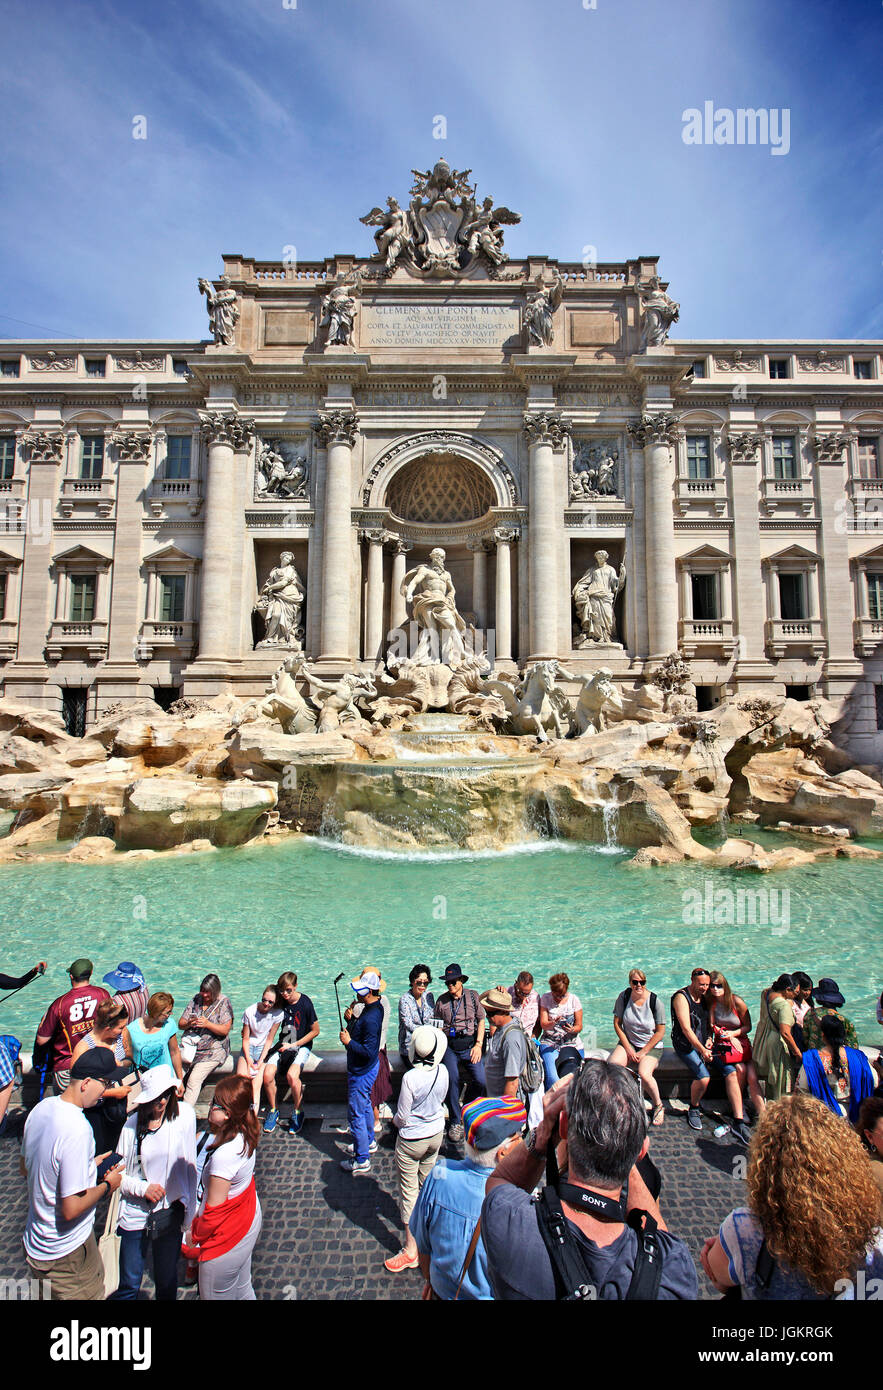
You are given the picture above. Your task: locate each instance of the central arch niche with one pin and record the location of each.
(440, 490)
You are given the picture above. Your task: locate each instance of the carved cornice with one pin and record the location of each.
(743, 447)
(337, 427)
(546, 427)
(131, 447)
(226, 427)
(661, 428)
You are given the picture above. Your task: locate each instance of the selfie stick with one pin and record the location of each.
(337, 980)
(18, 987)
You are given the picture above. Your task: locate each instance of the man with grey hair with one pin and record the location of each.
(609, 1228)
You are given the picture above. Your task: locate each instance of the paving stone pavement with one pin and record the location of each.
(326, 1234)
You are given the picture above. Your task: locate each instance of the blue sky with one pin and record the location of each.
(270, 126)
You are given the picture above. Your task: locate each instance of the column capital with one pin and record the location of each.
(43, 446)
(829, 446)
(506, 535)
(226, 427)
(337, 427)
(374, 535)
(132, 446)
(478, 545)
(743, 447)
(658, 428)
(400, 547)
(546, 427)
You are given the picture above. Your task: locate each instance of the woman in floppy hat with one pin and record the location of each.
(158, 1147)
(827, 1001)
(420, 1122)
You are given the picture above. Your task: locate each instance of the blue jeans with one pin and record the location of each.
(457, 1064)
(133, 1256)
(549, 1053)
(360, 1112)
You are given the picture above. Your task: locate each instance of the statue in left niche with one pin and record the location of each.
(280, 604)
(223, 310)
(279, 473)
(339, 309)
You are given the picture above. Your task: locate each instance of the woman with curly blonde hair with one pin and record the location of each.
(813, 1208)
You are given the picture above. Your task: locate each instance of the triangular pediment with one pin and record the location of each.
(170, 552)
(80, 554)
(793, 552)
(709, 553)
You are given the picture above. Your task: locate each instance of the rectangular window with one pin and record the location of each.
(798, 692)
(83, 598)
(178, 456)
(705, 606)
(4, 577)
(861, 370)
(171, 597)
(7, 456)
(785, 456)
(92, 465)
(699, 369)
(875, 596)
(9, 366)
(95, 366)
(778, 368)
(698, 456)
(792, 597)
(868, 457)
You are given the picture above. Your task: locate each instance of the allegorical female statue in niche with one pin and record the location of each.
(280, 605)
(594, 596)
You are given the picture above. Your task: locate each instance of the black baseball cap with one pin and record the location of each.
(100, 1064)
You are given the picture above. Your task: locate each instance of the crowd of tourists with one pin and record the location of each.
(504, 1077)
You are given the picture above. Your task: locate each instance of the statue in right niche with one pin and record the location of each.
(594, 596)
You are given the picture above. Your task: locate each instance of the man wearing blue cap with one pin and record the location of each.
(362, 1043)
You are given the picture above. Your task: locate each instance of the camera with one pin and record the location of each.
(568, 1062)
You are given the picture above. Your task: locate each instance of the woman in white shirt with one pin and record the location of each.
(158, 1192)
(260, 1024)
(228, 1221)
(561, 1018)
(420, 1122)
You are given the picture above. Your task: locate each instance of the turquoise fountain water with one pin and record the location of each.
(318, 908)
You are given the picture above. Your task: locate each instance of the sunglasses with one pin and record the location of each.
(720, 987)
(216, 1105)
(636, 984)
(421, 982)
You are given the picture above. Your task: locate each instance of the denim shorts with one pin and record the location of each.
(698, 1069)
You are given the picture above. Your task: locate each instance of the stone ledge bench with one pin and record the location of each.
(327, 1084)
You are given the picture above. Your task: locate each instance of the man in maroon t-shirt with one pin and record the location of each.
(68, 1019)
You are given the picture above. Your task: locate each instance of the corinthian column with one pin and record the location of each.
(479, 581)
(504, 537)
(398, 609)
(374, 596)
(656, 434)
(225, 432)
(546, 431)
(337, 434)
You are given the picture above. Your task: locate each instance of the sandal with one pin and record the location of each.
(658, 1115)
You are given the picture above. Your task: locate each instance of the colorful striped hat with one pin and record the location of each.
(491, 1119)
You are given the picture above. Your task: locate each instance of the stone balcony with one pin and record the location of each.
(92, 495)
(789, 495)
(13, 490)
(706, 637)
(78, 638)
(707, 496)
(794, 636)
(166, 638)
(170, 492)
(867, 635)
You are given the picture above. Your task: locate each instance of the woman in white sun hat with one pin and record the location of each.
(420, 1121)
(158, 1191)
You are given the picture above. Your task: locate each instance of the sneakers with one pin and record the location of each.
(271, 1121)
(342, 1129)
(349, 1165)
(694, 1117)
(455, 1134)
(351, 1149)
(741, 1130)
(296, 1123)
(401, 1261)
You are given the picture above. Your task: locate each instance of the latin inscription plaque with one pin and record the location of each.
(438, 325)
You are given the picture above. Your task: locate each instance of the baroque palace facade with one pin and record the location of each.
(356, 413)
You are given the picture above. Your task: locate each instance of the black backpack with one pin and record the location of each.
(573, 1279)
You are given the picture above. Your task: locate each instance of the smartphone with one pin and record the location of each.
(106, 1164)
